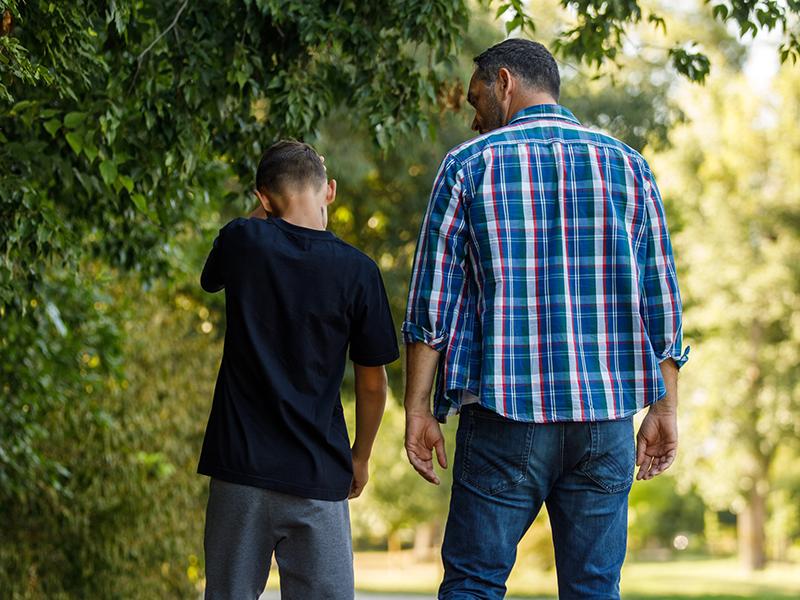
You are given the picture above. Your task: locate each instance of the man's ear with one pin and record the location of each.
(330, 194)
(504, 84)
(264, 200)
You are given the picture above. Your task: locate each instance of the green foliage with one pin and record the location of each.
(695, 65)
(601, 29)
(120, 122)
(659, 511)
(115, 148)
(737, 188)
(99, 496)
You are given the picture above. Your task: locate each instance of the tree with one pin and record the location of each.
(599, 30)
(123, 126)
(733, 173)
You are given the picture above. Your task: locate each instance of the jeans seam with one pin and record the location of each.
(526, 455)
(467, 445)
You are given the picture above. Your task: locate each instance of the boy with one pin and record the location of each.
(276, 445)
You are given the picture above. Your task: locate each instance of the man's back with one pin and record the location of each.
(543, 289)
(560, 297)
(295, 299)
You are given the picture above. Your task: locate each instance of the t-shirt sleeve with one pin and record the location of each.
(373, 341)
(213, 277)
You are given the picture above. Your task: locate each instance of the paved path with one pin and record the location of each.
(273, 595)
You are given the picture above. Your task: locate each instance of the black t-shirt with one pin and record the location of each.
(295, 299)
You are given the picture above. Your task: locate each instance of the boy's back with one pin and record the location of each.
(295, 299)
(276, 446)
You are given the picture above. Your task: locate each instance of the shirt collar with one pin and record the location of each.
(297, 229)
(544, 111)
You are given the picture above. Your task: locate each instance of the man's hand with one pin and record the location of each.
(360, 477)
(423, 434)
(656, 442)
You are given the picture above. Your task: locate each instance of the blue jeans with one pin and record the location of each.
(505, 470)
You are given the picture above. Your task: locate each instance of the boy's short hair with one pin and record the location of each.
(289, 163)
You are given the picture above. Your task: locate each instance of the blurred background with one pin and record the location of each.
(130, 133)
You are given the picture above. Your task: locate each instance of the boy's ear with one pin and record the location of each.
(264, 200)
(330, 194)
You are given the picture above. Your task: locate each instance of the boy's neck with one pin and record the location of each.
(305, 212)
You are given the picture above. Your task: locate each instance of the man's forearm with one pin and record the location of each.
(370, 388)
(421, 362)
(669, 403)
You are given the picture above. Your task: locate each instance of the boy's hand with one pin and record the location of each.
(360, 476)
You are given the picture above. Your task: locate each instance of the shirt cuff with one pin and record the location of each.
(414, 333)
(675, 354)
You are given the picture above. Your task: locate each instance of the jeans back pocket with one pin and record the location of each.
(496, 450)
(612, 459)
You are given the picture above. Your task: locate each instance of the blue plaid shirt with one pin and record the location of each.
(544, 275)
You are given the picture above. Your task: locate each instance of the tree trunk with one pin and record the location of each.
(423, 541)
(750, 529)
(394, 542)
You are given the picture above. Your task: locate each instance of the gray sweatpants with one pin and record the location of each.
(310, 539)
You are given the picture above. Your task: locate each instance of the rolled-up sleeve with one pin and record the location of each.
(438, 274)
(661, 300)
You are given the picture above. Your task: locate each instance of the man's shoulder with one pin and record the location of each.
(533, 132)
(597, 137)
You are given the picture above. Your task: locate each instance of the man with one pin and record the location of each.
(544, 290)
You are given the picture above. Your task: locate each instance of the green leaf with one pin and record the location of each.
(90, 150)
(141, 203)
(108, 171)
(20, 106)
(720, 12)
(73, 119)
(501, 10)
(241, 78)
(52, 126)
(75, 142)
(126, 182)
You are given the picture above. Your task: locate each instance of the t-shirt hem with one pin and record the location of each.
(445, 409)
(276, 485)
(376, 361)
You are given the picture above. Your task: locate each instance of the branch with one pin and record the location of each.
(170, 27)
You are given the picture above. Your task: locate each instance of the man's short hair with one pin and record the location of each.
(528, 60)
(289, 164)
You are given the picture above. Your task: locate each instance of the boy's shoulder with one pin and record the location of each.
(234, 226)
(351, 254)
(358, 256)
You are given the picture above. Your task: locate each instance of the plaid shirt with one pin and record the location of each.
(544, 274)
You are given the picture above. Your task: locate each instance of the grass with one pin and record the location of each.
(707, 579)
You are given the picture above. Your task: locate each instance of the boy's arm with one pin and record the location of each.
(370, 387)
(212, 280)
(373, 344)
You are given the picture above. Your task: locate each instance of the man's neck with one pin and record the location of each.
(527, 100)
